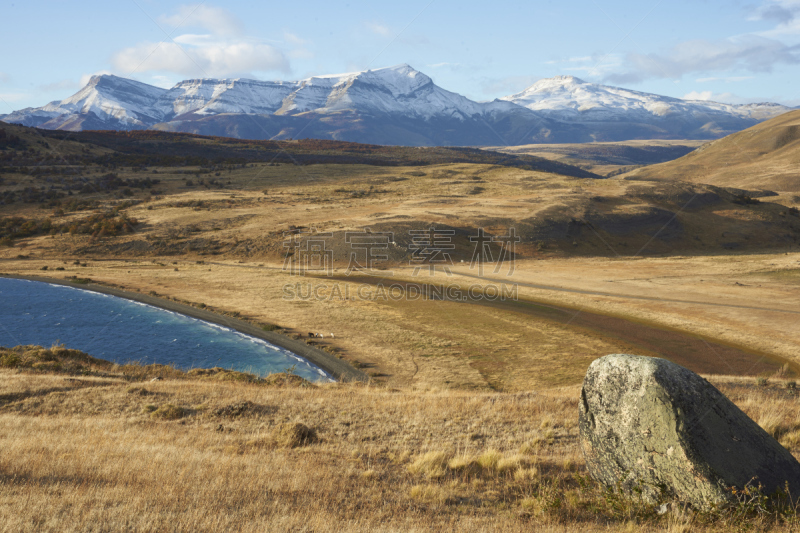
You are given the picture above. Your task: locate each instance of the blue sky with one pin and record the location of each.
(727, 51)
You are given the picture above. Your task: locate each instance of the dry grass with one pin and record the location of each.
(764, 156)
(460, 345)
(223, 248)
(93, 454)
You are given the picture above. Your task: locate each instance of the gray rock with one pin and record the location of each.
(649, 424)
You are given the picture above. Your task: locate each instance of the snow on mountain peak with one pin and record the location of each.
(567, 79)
(110, 97)
(401, 80)
(378, 90)
(571, 99)
(400, 91)
(206, 96)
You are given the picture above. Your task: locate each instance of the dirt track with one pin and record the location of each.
(700, 354)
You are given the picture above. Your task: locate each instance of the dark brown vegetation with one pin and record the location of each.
(10, 140)
(155, 148)
(61, 360)
(103, 224)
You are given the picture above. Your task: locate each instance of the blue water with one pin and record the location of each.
(123, 331)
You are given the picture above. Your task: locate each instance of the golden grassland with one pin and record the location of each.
(105, 449)
(469, 422)
(749, 301)
(764, 156)
(226, 248)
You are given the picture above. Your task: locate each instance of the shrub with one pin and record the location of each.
(9, 360)
(294, 434)
(234, 410)
(169, 411)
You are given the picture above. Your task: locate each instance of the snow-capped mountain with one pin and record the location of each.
(211, 97)
(570, 99)
(111, 101)
(395, 105)
(396, 90)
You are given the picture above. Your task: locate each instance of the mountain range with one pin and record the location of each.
(396, 105)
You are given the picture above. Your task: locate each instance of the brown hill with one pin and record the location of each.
(24, 146)
(766, 156)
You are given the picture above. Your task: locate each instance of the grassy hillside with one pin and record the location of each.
(766, 156)
(139, 187)
(31, 146)
(169, 214)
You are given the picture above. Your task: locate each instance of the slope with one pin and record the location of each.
(766, 156)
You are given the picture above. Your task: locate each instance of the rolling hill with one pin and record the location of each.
(766, 156)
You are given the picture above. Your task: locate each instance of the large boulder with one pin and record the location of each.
(648, 424)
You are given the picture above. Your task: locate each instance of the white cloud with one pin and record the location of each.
(378, 29)
(790, 30)
(780, 11)
(215, 59)
(445, 65)
(724, 60)
(291, 38)
(580, 59)
(301, 51)
(214, 19)
(219, 50)
(597, 66)
(729, 79)
(694, 95)
(192, 39)
(751, 53)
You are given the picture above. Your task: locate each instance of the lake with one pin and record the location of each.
(122, 331)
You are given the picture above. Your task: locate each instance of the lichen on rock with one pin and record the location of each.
(651, 425)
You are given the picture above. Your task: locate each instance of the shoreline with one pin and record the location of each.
(337, 368)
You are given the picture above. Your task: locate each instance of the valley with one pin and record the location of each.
(466, 365)
(208, 221)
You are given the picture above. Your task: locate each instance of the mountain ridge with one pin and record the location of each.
(392, 105)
